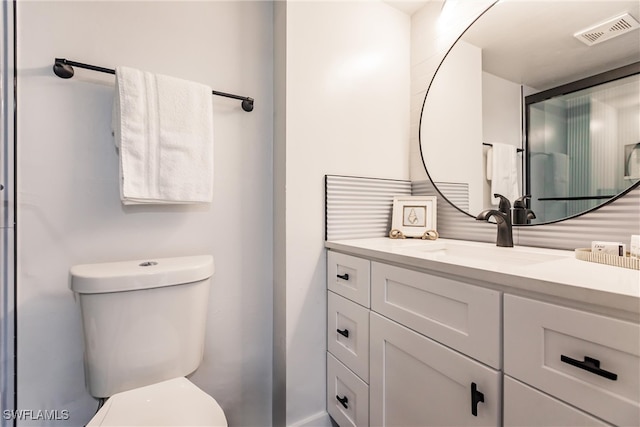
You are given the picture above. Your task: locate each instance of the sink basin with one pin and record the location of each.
(485, 253)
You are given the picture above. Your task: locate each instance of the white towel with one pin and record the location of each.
(504, 172)
(163, 128)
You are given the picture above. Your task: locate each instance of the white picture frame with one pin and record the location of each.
(414, 215)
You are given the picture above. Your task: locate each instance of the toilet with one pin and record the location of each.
(144, 327)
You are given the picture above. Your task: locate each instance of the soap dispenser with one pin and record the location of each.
(521, 214)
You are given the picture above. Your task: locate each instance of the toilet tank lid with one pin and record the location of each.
(140, 274)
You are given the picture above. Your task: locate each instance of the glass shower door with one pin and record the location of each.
(7, 219)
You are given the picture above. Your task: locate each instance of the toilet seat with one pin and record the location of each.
(175, 402)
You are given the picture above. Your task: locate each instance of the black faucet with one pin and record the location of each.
(521, 214)
(503, 219)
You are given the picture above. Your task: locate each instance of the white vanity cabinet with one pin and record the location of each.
(427, 351)
(587, 360)
(348, 286)
(471, 341)
(425, 332)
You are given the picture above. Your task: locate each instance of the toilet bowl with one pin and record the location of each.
(175, 402)
(144, 327)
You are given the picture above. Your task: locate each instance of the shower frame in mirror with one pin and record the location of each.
(568, 89)
(422, 153)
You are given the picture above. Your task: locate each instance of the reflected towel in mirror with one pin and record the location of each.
(502, 168)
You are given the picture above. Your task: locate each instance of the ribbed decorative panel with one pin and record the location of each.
(615, 222)
(453, 224)
(579, 150)
(360, 207)
(456, 192)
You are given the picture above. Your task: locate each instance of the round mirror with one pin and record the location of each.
(541, 99)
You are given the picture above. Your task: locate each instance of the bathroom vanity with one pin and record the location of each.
(449, 332)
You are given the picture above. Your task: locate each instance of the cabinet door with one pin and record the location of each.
(525, 406)
(414, 381)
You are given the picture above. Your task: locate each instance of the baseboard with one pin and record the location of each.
(321, 419)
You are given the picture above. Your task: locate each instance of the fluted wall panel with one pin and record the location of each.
(359, 207)
(616, 221)
(453, 224)
(456, 192)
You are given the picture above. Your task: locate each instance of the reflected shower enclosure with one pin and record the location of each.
(580, 143)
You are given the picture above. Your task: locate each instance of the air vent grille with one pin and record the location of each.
(607, 30)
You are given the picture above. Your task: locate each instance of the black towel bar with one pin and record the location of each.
(63, 68)
(519, 150)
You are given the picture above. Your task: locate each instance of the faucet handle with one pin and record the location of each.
(505, 204)
(521, 202)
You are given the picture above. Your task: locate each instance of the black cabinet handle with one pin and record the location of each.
(343, 332)
(343, 400)
(476, 397)
(344, 276)
(589, 364)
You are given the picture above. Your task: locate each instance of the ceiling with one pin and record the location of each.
(532, 42)
(408, 6)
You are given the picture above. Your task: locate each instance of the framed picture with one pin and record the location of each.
(414, 215)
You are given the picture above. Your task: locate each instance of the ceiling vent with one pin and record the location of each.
(607, 30)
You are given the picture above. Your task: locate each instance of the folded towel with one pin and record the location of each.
(163, 128)
(504, 172)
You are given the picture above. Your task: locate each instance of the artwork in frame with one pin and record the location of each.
(414, 215)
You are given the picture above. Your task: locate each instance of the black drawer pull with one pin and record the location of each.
(343, 400)
(591, 365)
(343, 332)
(344, 276)
(476, 397)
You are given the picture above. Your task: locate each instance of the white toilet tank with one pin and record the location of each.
(143, 321)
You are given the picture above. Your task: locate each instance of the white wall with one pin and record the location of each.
(434, 29)
(501, 121)
(69, 210)
(501, 110)
(451, 126)
(347, 112)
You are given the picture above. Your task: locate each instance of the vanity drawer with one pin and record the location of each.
(351, 344)
(526, 406)
(461, 316)
(349, 276)
(347, 395)
(544, 342)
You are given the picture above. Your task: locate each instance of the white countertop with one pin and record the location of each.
(547, 272)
